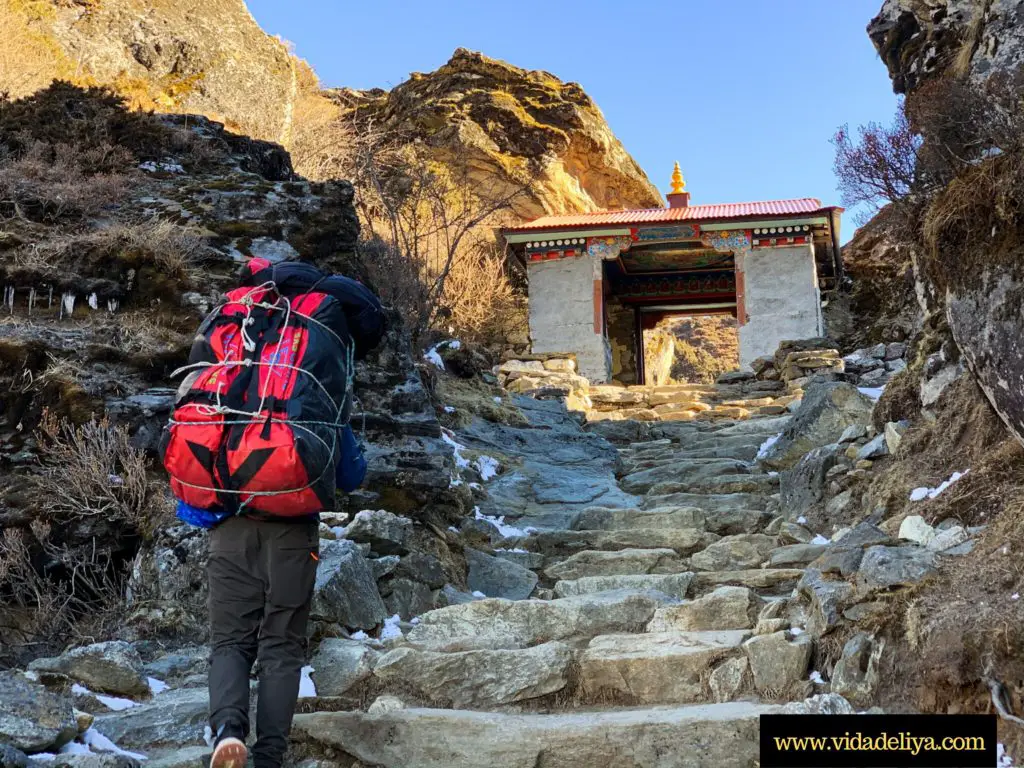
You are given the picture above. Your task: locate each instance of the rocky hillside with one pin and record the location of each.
(919, 41)
(498, 117)
(208, 58)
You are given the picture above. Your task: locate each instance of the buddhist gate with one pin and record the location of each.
(597, 280)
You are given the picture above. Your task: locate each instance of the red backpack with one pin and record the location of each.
(257, 423)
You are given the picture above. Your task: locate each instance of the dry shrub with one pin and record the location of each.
(93, 470)
(51, 183)
(64, 577)
(479, 301)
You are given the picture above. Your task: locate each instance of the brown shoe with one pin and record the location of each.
(229, 753)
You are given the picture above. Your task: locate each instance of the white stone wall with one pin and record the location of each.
(782, 300)
(562, 313)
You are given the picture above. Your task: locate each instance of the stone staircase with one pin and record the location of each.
(657, 635)
(737, 397)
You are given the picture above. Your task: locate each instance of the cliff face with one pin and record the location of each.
(919, 40)
(208, 57)
(498, 117)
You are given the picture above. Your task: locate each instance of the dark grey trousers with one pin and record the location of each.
(261, 576)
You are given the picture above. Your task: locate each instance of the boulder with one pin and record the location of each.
(724, 608)
(675, 585)
(386, 533)
(507, 624)
(113, 667)
(856, 673)
(497, 577)
(728, 679)
(795, 555)
(825, 412)
(340, 664)
(884, 567)
(827, 599)
(13, 758)
(777, 662)
(894, 431)
(174, 718)
(407, 598)
(478, 679)
(615, 563)
(745, 550)
(875, 448)
(948, 538)
(33, 719)
(346, 591)
(915, 529)
(821, 704)
(803, 486)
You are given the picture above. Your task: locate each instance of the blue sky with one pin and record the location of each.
(745, 94)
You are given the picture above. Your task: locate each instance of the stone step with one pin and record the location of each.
(675, 585)
(496, 624)
(683, 541)
(775, 580)
(682, 471)
(615, 563)
(720, 484)
(695, 736)
(611, 519)
(709, 502)
(735, 553)
(725, 608)
(655, 668)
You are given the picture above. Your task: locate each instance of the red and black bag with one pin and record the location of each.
(257, 423)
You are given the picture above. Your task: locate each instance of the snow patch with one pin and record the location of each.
(922, 493)
(359, 635)
(307, 688)
(506, 530)
(449, 409)
(819, 539)
(766, 446)
(391, 630)
(113, 703)
(433, 355)
(487, 466)
(873, 392)
(100, 743)
(817, 678)
(1003, 760)
(478, 593)
(156, 686)
(802, 520)
(457, 448)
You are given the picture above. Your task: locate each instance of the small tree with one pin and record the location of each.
(438, 216)
(880, 166)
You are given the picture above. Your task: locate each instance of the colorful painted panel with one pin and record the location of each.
(721, 285)
(728, 240)
(681, 232)
(608, 248)
(668, 259)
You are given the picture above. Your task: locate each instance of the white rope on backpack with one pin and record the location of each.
(249, 344)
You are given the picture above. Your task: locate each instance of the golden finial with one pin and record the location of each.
(678, 184)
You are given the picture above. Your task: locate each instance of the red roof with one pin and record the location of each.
(767, 208)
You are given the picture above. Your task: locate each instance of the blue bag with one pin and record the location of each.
(200, 518)
(351, 469)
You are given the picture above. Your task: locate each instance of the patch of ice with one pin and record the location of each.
(359, 635)
(796, 631)
(873, 392)
(457, 448)
(449, 409)
(766, 446)
(307, 688)
(487, 466)
(453, 529)
(506, 530)
(156, 686)
(478, 593)
(101, 743)
(802, 520)
(391, 630)
(113, 703)
(922, 493)
(817, 678)
(819, 539)
(74, 748)
(432, 356)
(43, 757)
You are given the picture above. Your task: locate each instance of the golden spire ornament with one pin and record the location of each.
(678, 184)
